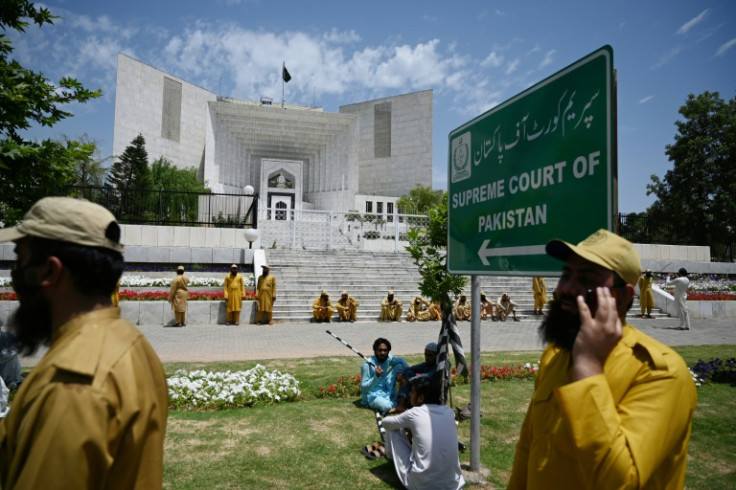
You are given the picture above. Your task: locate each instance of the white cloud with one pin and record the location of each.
(549, 58)
(687, 26)
(512, 66)
(646, 99)
(725, 47)
(667, 57)
(341, 37)
(493, 60)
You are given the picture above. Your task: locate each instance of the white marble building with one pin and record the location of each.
(296, 157)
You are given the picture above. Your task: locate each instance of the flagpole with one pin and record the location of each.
(283, 82)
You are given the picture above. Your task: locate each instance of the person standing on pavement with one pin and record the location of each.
(646, 297)
(92, 413)
(265, 295)
(539, 287)
(178, 295)
(234, 294)
(612, 407)
(681, 284)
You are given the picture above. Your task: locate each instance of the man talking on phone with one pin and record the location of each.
(612, 407)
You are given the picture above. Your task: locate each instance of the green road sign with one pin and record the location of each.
(536, 167)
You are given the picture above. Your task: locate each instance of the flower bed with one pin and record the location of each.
(716, 370)
(202, 390)
(349, 386)
(126, 295)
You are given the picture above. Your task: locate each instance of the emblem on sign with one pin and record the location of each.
(461, 158)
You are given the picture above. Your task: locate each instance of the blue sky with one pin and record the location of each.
(474, 55)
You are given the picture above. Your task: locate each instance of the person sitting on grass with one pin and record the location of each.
(378, 377)
(402, 399)
(428, 456)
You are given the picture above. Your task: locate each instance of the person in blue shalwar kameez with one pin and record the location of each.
(378, 384)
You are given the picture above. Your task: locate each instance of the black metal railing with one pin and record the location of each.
(173, 208)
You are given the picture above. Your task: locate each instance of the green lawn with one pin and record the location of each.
(315, 443)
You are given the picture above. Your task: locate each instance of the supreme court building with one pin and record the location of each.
(296, 158)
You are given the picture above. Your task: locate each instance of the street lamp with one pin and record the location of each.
(251, 234)
(249, 190)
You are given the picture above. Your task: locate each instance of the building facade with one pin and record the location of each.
(295, 157)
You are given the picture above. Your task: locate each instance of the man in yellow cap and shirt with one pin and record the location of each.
(234, 293)
(390, 308)
(265, 295)
(347, 308)
(612, 407)
(322, 309)
(92, 413)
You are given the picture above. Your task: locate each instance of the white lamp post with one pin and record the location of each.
(251, 234)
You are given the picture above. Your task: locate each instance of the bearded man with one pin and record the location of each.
(92, 413)
(612, 407)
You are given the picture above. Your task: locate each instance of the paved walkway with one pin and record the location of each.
(290, 340)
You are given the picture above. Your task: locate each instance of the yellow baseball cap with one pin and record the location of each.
(605, 249)
(68, 220)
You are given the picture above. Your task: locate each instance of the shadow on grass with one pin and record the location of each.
(385, 472)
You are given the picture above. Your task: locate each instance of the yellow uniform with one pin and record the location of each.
(178, 295)
(646, 297)
(418, 310)
(347, 309)
(435, 311)
(391, 309)
(265, 295)
(626, 428)
(462, 309)
(540, 294)
(486, 308)
(91, 414)
(234, 293)
(322, 309)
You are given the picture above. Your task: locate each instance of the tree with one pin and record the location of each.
(130, 177)
(131, 170)
(30, 170)
(698, 196)
(420, 199)
(428, 249)
(89, 171)
(182, 203)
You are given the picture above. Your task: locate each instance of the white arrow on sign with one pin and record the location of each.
(486, 252)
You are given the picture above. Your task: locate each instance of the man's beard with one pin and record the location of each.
(31, 322)
(560, 327)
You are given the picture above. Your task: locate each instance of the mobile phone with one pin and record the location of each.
(591, 298)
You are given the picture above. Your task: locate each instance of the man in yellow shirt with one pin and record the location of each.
(462, 308)
(265, 295)
(390, 308)
(178, 296)
(322, 309)
(612, 407)
(646, 297)
(539, 287)
(347, 308)
(418, 310)
(92, 413)
(234, 294)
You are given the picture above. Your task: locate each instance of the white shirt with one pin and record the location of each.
(434, 459)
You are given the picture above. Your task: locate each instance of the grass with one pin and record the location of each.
(315, 443)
